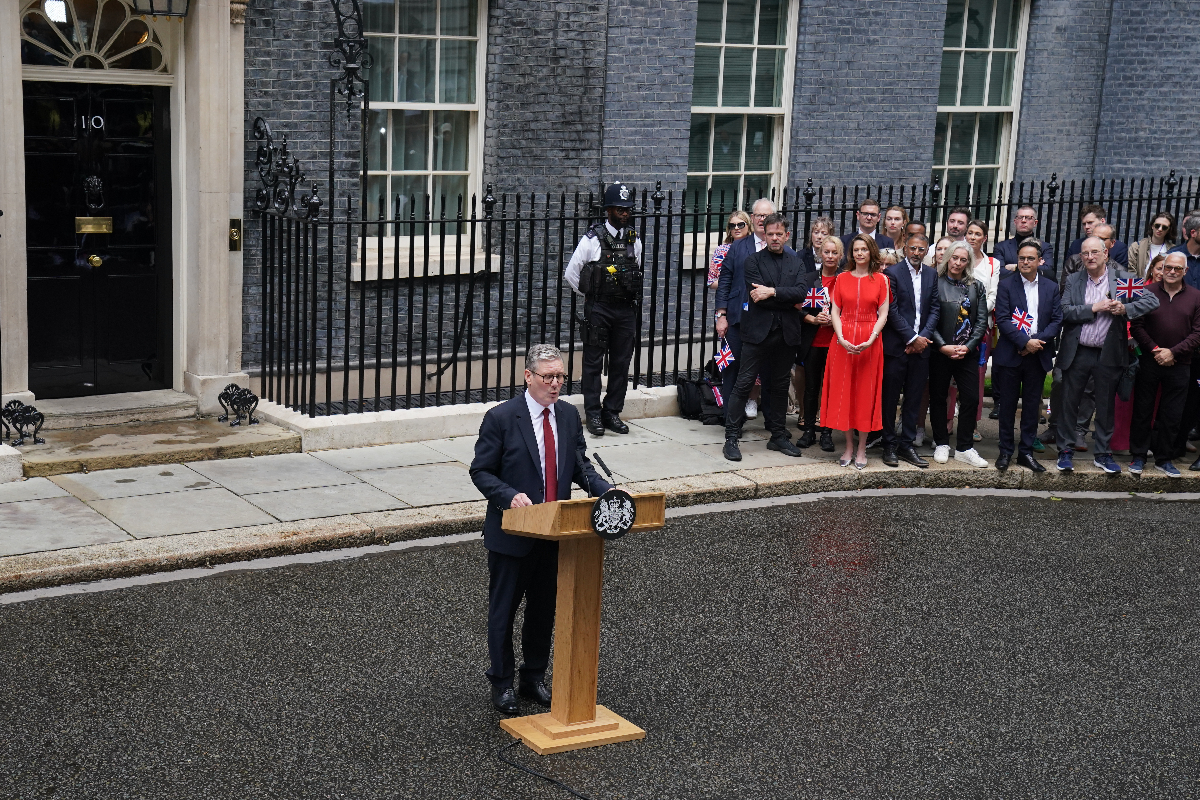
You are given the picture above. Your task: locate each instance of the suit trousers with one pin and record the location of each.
(533, 577)
(1191, 408)
(908, 373)
(621, 322)
(1173, 381)
(1025, 383)
(772, 358)
(729, 376)
(965, 372)
(1083, 417)
(1084, 367)
(814, 379)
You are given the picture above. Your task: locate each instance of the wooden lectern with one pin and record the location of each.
(574, 720)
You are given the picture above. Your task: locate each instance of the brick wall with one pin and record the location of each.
(866, 92)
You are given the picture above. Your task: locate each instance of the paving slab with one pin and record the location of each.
(427, 485)
(110, 483)
(655, 460)
(30, 489)
(357, 459)
(688, 431)
(55, 523)
(636, 435)
(272, 473)
(181, 512)
(755, 454)
(324, 501)
(460, 448)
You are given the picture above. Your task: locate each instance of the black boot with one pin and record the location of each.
(731, 451)
(806, 439)
(827, 440)
(595, 426)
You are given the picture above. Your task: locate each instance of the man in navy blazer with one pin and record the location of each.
(1025, 223)
(527, 446)
(912, 318)
(732, 299)
(1028, 315)
(868, 220)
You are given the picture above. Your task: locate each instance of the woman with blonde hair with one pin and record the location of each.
(821, 228)
(739, 228)
(895, 226)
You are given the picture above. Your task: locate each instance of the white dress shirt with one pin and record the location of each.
(588, 250)
(1031, 301)
(535, 413)
(915, 274)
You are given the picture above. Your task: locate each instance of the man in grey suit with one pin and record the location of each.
(1093, 346)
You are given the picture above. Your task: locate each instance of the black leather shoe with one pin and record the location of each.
(731, 451)
(614, 424)
(785, 446)
(994, 413)
(595, 426)
(1030, 463)
(806, 439)
(1002, 461)
(537, 691)
(827, 441)
(505, 700)
(910, 455)
(889, 457)
(1195, 467)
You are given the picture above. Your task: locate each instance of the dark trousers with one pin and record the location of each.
(965, 372)
(1086, 367)
(908, 373)
(814, 378)
(621, 322)
(1173, 381)
(1191, 409)
(534, 577)
(733, 337)
(1012, 383)
(772, 358)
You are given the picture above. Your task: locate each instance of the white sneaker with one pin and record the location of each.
(919, 439)
(751, 409)
(941, 453)
(970, 457)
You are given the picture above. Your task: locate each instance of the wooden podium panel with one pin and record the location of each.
(574, 720)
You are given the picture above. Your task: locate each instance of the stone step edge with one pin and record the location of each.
(185, 551)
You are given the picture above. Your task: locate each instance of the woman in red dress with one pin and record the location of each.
(851, 397)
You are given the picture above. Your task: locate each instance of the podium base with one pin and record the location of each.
(543, 734)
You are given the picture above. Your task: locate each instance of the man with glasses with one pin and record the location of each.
(1093, 348)
(1168, 337)
(530, 450)
(1025, 223)
(1091, 216)
(868, 220)
(1190, 248)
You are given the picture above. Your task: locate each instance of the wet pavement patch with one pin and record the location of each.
(869, 647)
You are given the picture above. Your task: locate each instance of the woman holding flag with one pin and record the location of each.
(818, 334)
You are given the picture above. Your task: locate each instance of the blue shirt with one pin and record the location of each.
(1192, 276)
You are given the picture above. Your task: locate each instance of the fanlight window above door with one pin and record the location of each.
(89, 34)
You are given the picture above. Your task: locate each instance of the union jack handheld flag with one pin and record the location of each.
(1022, 320)
(817, 298)
(1129, 288)
(724, 356)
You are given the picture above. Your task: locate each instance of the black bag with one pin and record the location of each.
(690, 402)
(711, 412)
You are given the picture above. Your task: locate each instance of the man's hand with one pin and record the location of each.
(1164, 357)
(1034, 345)
(760, 292)
(722, 325)
(1100, 306)
(520, 500)
(919, 344)
(1116, 307)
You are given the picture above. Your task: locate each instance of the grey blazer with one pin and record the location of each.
(1077, 312)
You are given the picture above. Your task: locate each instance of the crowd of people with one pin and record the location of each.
(882, 320)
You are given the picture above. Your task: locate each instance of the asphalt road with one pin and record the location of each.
(886, 647)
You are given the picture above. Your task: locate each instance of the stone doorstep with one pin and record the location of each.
(167, 553)
(116, 409)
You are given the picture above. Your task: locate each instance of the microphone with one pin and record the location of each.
(604, 466)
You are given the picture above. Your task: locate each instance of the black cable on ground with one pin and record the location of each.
(500, 754)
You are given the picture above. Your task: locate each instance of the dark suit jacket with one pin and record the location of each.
(1077, 312)
(786, 274)
(731, 286)
(1006, 251)
(507, 463)
(899, 330)
(1011, 294)
(1119, 252)
(880, 240)
(810, 259)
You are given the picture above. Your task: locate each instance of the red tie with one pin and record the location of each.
(551, 458)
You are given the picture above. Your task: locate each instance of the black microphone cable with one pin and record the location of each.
(501, 754)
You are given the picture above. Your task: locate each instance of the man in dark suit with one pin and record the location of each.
(771, 332)
(912, 318)
(1090, 217)
(868, 220)
(1093, 348)
(1028, 316)
(733, 300)
(529, 450)
(1025, 223)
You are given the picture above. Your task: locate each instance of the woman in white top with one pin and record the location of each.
(984, 267)
(1160, 237)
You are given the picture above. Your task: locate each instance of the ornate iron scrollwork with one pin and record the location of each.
(241, 402)
(21, 418)
(280, 173)
(350, 53)
(93, 191)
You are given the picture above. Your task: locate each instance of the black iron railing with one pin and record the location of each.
(439, 306)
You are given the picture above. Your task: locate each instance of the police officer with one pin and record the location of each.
(606, 269)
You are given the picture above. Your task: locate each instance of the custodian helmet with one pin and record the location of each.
(618, 195)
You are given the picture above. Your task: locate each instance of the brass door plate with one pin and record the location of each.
(235, 235)
(93, 224)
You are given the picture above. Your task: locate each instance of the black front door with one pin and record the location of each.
(98, 226)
